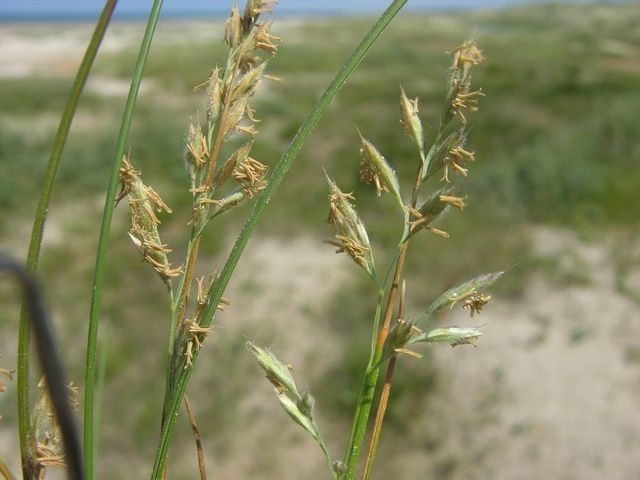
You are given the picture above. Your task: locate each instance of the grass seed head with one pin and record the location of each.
(460, 96)
(351, 236)
(454, 336)
(250, 174)
(143, 202)
(277, 372)
(375, 169)
(469, 289)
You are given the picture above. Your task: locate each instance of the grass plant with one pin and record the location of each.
(223, 174)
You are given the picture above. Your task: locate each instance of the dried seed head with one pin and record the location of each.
(143, 200)
(410, 120)
(351, 235)
(375, 169)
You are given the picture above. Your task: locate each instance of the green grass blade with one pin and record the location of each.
(275, 179)
(105, 228)
(37, 231)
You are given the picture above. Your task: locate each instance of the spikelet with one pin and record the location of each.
(460, 96)
(143, 204)
(46, 438)
(410, 120)
(375, 169)
(351, 235)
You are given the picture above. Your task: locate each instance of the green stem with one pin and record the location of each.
(37, 231)
(98, 279)
(275, 179)
(370, 365)
(370, 381)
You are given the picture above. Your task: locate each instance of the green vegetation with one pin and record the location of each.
(562, 96)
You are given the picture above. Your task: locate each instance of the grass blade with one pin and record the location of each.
(37, 231)
(105, 228)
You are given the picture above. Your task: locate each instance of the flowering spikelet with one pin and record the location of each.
(454, 159)
(476, 302)
(470, 290)
(454, 336)
(48, 451)
(375, 169)
(250, 173)
(197, 336)
(351, 236)
(460, 96)
(432, 209)
(196, 155)
(143, 200)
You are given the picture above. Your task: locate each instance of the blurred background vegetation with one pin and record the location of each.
(554, 191)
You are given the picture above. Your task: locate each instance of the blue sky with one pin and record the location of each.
(78, 8)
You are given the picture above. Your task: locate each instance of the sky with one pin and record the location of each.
(88, 8)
